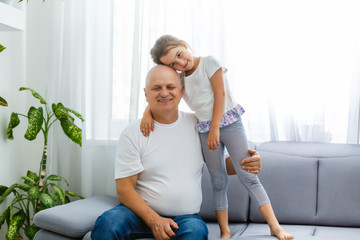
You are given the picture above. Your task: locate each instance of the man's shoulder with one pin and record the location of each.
(132, 129)
(189, 116)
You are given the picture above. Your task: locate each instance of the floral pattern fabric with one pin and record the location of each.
(228, 118)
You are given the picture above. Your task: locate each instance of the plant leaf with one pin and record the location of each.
(21, 186)
(56, 178)
(12, 189)
(46, 199)
(35, 94)
(33, 192)
(60, 111)
(5, 215)
(7, 193)
(54, 197)
(30, 231)
(35, 117)
(29, 181)
(72, 194)
(3, 101)
(2, 48)
(72, 131)
(33, 176)
(78, 115)
(15, 224)
(14, 121)
(59, 192)
(2, 189)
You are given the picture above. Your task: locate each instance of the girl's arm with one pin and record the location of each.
(217, 84)
(147, 122)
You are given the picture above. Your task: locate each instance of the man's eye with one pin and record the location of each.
(173, 64)
(171, 88)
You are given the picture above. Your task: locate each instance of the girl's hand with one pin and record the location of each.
(147, 124)
(213, 139)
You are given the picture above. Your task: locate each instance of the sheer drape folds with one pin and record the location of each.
(82, 79)
(295, 68)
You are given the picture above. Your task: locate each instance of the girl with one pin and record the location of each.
(207, 93)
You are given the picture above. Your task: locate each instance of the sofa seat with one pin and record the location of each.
(314, 189)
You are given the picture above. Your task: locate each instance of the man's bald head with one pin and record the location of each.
(161, 69)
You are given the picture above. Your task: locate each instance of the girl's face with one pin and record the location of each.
(179, 58)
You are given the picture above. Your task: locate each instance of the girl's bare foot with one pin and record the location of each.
(225, 234)
(281, 234)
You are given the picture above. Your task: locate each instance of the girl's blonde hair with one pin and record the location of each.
(163, 45)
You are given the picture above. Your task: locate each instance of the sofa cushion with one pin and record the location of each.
(238, 199)
(291, 184)
(236, 230)
(339, 185)
(76, 219)
(337, 233)
(46, 235)
(261, 231)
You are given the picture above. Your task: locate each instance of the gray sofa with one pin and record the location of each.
(314, 189)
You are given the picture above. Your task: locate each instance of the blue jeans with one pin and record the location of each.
(121, 223)
(234, 138)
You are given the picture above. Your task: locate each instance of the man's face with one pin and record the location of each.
(164, 90)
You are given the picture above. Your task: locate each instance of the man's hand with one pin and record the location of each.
(251, 164)
(162, 228)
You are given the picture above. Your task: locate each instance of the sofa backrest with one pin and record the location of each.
(307, 183)
(312, 183)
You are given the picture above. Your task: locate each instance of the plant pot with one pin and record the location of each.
(8, 2)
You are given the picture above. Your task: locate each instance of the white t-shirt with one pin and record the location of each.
(169, 163)
(198, 93)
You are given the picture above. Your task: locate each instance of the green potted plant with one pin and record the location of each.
(37, 191)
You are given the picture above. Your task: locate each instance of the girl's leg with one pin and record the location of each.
(219, 181)
(234, 138)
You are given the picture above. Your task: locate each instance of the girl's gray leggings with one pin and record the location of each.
(234, 138)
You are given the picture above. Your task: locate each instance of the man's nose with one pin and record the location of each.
(164, 92)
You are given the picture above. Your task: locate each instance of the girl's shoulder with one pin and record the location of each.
(211, 61)
(211, 65)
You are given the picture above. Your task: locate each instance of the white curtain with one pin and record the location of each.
(81, 63)
(293, 65)
(295, 68)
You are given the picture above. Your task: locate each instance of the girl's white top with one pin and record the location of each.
(198, 93)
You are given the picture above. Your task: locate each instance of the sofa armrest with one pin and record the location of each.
(74, 219)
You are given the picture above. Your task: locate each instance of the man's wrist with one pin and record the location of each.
(151, 219)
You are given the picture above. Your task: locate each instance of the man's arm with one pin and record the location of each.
(127, 195)
(251, 164)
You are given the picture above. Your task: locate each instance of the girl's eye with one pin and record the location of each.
(179, 54)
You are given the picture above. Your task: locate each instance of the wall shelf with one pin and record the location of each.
(11, 19)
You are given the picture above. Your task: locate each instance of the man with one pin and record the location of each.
(158, 178)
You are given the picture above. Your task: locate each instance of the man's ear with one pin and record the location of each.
(145, 94)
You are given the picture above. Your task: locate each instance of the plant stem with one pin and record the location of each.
(42, 170)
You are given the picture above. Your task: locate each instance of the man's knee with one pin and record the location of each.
(193, 228)
(109, 224)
